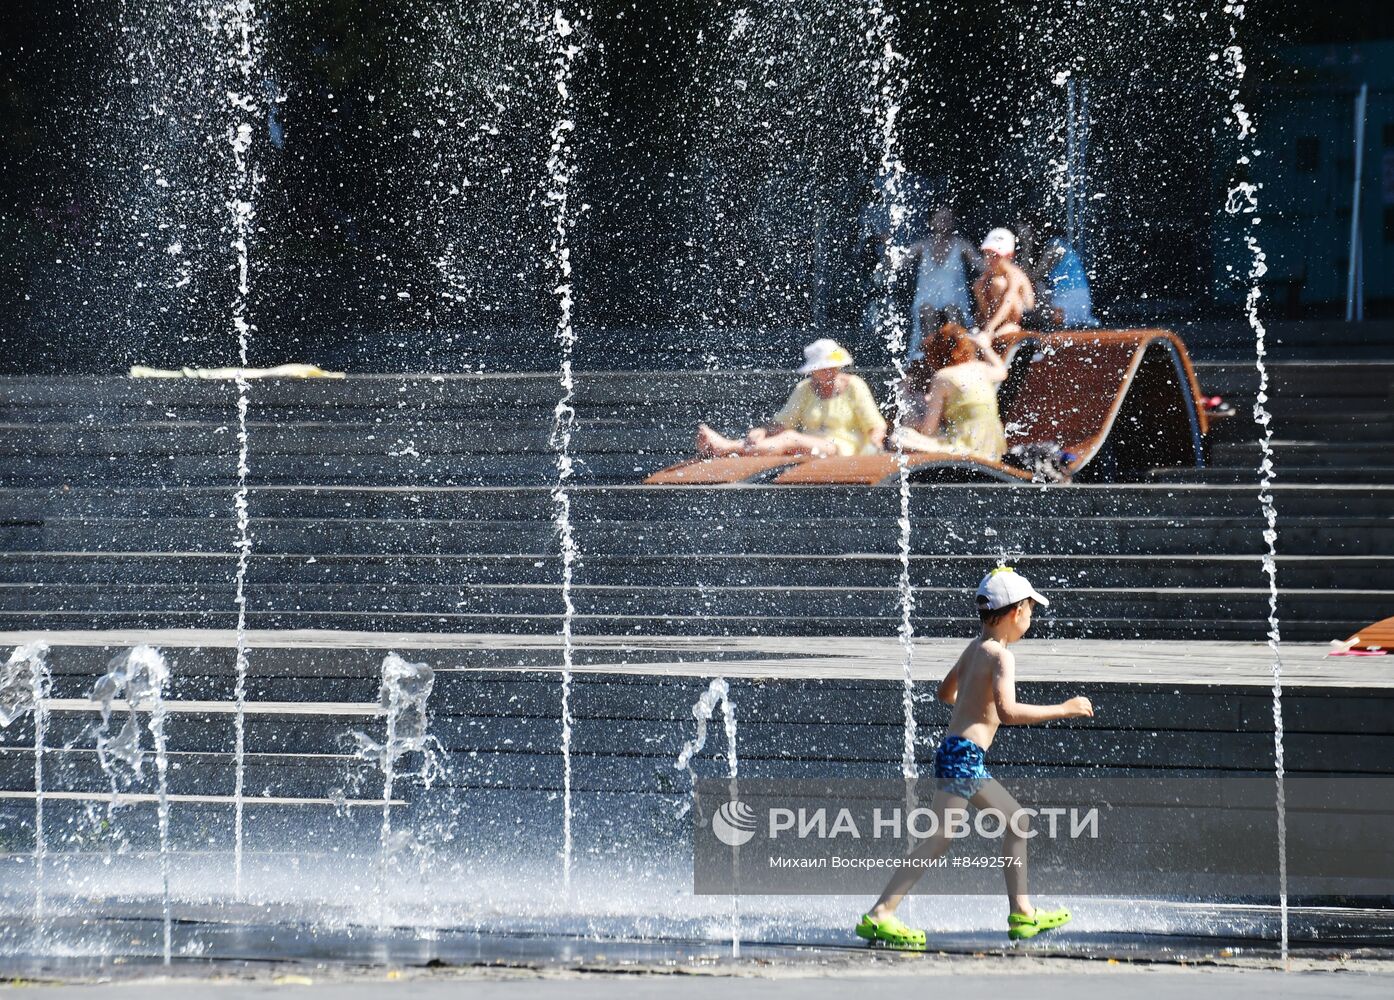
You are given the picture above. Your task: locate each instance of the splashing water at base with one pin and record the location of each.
(141, 675)
(402, 695)
(1242, 201)
(24, 685)
(560, 165)
(717, 693)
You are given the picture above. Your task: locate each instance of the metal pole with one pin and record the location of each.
(1355, 306)
(1070, 161)
(1082, 213)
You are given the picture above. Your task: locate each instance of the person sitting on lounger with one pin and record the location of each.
(960, 408)
(831, 412)
(1003, 294)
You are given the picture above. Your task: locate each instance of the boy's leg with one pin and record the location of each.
(930, 848)
(993, 796)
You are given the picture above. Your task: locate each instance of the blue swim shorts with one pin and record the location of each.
(960, 767)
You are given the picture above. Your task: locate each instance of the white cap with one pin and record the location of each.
(824, 353)
(1000, 241)
(1005, 586)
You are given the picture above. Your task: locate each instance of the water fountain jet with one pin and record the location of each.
(887, 90)
(560, 167)
(235, 21)
(718, 693)
(141, 675)
(402, 695)
(25, 681)
(1242, 201)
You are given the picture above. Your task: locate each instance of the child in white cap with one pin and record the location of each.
(1003, 293)
(831, 412)
(981, 687)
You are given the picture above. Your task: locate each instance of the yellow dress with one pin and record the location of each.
(847, 419)
(971, 420)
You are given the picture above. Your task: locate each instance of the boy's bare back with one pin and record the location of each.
(977, 672)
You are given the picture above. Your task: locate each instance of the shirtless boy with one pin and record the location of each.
(981, 687)
(1003, 293)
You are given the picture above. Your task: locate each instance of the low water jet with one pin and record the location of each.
(718, 693)
(402, 695)
(141, 675)
(25, 681)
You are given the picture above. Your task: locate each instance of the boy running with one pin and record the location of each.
(981, 687)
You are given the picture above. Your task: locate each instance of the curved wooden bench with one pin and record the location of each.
(1120, 401)
(1132, 390)
(883, 470)
(1378, 635)
(730, 469)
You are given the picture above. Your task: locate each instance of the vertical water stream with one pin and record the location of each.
(237, 25)
(1242, 202)
(560, 166)
(887, 90)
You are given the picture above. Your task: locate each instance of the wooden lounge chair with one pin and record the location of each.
(1120, 401)
(729, 469)
(1379, 635)
(883, 469)
(1127, 399)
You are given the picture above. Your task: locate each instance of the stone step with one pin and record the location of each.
(424, 470)
(1097, 535)
(1300, 378)
(678, 398)
(1307, 453)
(202, 742)
(479, 393)
(466, 697)
(1337, 428)
(43, 443)
(1186, 607)
(1346, 474)
(967, 501)
(1128, 626)
(68, 450)
(627, 462)
(1048, 571)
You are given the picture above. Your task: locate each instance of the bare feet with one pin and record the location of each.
(710, 444)
(705, 445)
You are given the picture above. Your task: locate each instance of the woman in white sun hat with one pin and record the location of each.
(831, 412)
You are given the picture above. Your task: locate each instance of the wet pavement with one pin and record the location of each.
(90, 949)
(232, 962)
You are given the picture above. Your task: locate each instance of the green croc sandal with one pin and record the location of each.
(1020, 926)
(890, 931)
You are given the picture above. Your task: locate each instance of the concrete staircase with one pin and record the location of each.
(422, 504)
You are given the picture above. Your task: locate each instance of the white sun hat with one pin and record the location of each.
(1005, 586)
(1000, 241)
(824, 353)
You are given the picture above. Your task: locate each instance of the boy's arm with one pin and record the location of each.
(1027, 289)
(1014, 713)
(948, 687)
(1003, 313)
